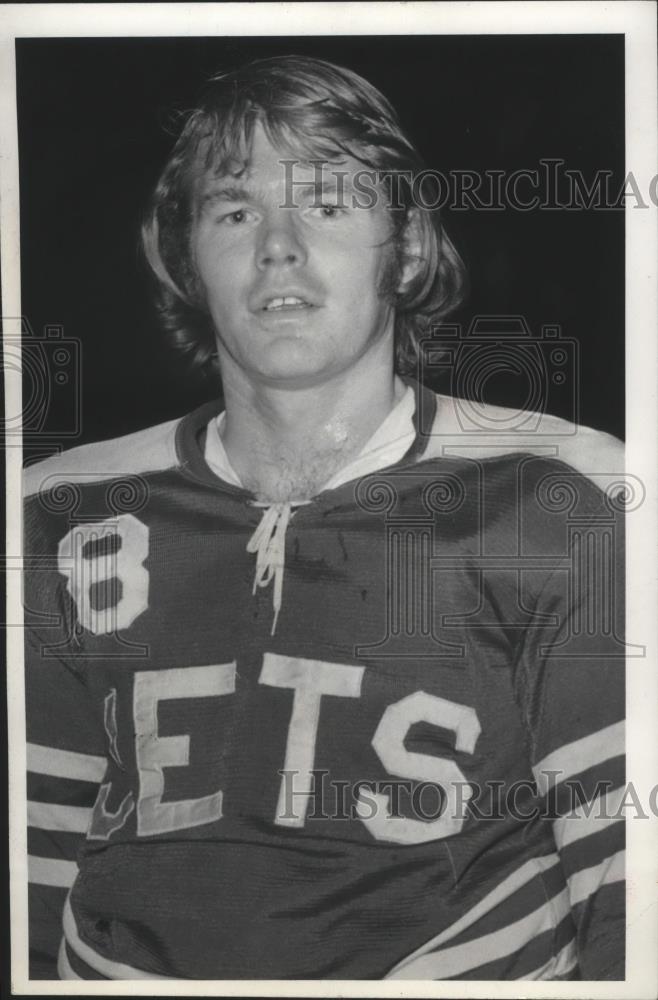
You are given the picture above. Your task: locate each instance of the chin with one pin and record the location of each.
(302, 378)
(289, 362)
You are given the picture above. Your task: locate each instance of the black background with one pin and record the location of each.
(92, 139)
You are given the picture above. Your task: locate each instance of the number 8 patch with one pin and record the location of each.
(103, 565)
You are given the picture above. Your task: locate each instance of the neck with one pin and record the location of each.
(286, 443)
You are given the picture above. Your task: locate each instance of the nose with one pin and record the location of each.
(280, 243)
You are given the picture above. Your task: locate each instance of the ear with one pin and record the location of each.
(412, 249)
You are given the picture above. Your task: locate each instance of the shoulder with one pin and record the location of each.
(481, 431)
(149, 450)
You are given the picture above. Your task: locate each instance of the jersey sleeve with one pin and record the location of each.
(574, 700)
(65, 754)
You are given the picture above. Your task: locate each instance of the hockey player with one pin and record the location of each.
(321, 682)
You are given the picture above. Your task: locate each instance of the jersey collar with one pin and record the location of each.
(401, 439)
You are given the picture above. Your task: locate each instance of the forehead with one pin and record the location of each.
(263, 163)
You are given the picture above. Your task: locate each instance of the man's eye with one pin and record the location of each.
(327, 211)
(235, 218)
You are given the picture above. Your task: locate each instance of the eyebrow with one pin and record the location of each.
(225, 192)
(221, 193)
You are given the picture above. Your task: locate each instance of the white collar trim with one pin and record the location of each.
(385, 447)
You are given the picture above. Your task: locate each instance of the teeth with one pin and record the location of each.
(285, 300)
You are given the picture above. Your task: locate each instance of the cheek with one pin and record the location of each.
(217, 277)
(203, 266)
(364, 273)
(376, 280)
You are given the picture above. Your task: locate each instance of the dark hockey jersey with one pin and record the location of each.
(417, 775)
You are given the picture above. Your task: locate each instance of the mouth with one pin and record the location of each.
(285, 303)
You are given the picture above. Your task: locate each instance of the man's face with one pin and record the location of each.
(293, 291)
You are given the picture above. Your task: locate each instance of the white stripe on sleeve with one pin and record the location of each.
(65, 763)
(64, 969)
(585, 883)
(579, 756)
(69, 819)
(589, 818)
(559, 965)
(51, 871)
(450, 962)
(520, 877)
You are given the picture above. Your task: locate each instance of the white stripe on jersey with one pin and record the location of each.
(69, 819)
(589, 880)
(589, 818)
(51, 871)
(450, 962)
(113, 970)
(507, 887)
(573, 758)
(65, 763)
(64, 969)
(559, 965)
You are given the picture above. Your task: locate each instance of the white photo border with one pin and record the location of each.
(635, 20)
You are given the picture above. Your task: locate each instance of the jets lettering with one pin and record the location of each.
(310, 682)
